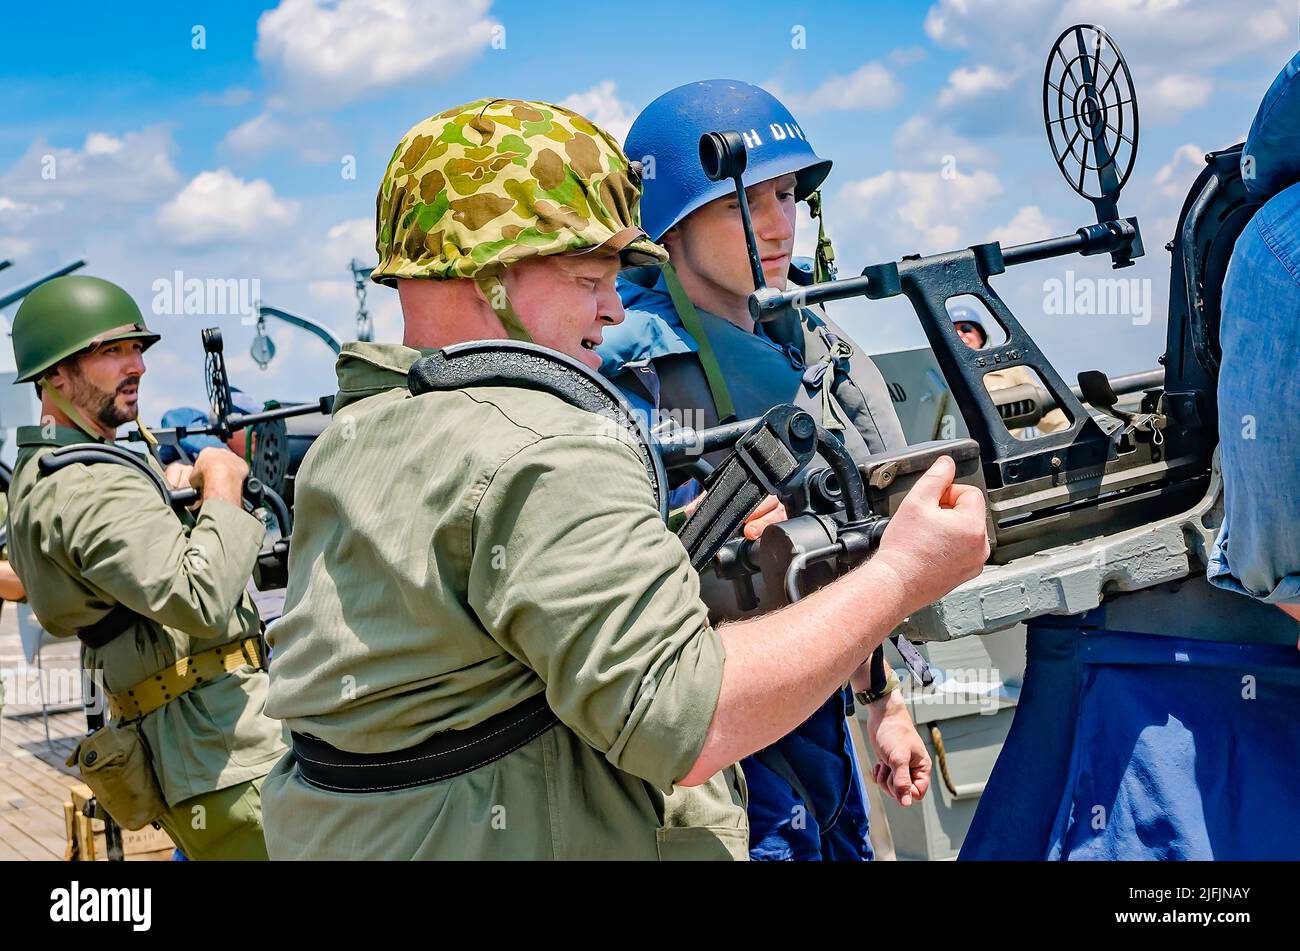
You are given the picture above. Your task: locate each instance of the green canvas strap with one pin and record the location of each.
(67, 409)
(494, 291)
(708, 359)
(824, 257)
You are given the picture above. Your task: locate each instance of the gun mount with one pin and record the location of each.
(270, 484)
(1103, 480)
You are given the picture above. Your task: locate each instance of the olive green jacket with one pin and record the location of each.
(88, 537)
(453, 555)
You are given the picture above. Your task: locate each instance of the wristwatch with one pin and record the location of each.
(868, 697)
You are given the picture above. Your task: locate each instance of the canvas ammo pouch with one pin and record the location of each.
(114, 762)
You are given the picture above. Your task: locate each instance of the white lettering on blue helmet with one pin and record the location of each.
(782, 131)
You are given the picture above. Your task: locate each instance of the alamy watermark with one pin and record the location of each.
(179, 295)
(28, 685)
(982, 687)
(76, 903)
(1099, 297)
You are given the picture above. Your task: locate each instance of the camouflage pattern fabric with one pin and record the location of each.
(481, 186)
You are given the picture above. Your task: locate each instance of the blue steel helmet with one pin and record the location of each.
(958, 313)
(666, 138)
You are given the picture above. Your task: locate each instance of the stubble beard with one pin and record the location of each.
(100, 403)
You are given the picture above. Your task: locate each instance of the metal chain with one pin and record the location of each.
(365, 328)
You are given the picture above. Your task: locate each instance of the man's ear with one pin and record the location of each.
(672, 238)
(57, 375)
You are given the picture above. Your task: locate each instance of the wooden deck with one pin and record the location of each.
(33, 779)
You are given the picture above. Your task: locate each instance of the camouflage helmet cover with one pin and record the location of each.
(484, 185)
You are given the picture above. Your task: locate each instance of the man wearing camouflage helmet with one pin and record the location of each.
(493, 647)
(157, 600)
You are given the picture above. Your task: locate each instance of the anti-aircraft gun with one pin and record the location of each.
(269, 485)
(1116, 501)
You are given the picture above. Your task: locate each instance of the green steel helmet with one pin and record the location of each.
(68, 314)
(484, 185)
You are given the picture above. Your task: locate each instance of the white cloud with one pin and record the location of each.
(340, 297)
(322, 256)
(13, 214)
(1162, 40)
(602, 106)
(1176, 176)
(868, 88)
(925, 209)
(906, 55)
(332, 292)
(919, 141)
(1028, 224)
(1165, 100)
(982, 100)
(234, 96)
(968, 83)
(217, 207)
(15, 247)
(312, 140)
(328, 52)
(101, 143)
(354, 238)
(109, 169)
(1156, 34)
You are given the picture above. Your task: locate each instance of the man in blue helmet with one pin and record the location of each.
(193, 418)
(969, 324)
(688, 350)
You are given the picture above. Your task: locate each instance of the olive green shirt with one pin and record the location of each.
(453, 555)
(88, 537)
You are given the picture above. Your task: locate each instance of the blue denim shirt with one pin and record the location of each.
(1258, 549)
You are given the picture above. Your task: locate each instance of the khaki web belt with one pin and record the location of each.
(184, 675)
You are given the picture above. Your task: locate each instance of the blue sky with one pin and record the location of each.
(228, 161)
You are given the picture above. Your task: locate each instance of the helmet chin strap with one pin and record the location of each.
(64, 405)
(494, 291)
(75, 416)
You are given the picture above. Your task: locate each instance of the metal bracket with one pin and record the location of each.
(1074, 578)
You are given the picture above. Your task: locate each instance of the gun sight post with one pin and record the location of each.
(724, 155)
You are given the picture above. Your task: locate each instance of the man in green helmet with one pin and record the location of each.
(493, 647)
(158, 600)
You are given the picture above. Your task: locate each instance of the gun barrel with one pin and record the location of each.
(1027, 403)
(1103, 237)
(684, 444)
(244, 420)
(238, 421)
(26, 289)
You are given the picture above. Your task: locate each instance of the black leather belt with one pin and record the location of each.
(441, 756)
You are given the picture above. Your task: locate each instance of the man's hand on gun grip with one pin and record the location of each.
(219, 474)
(769, 512)
(937, 538)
